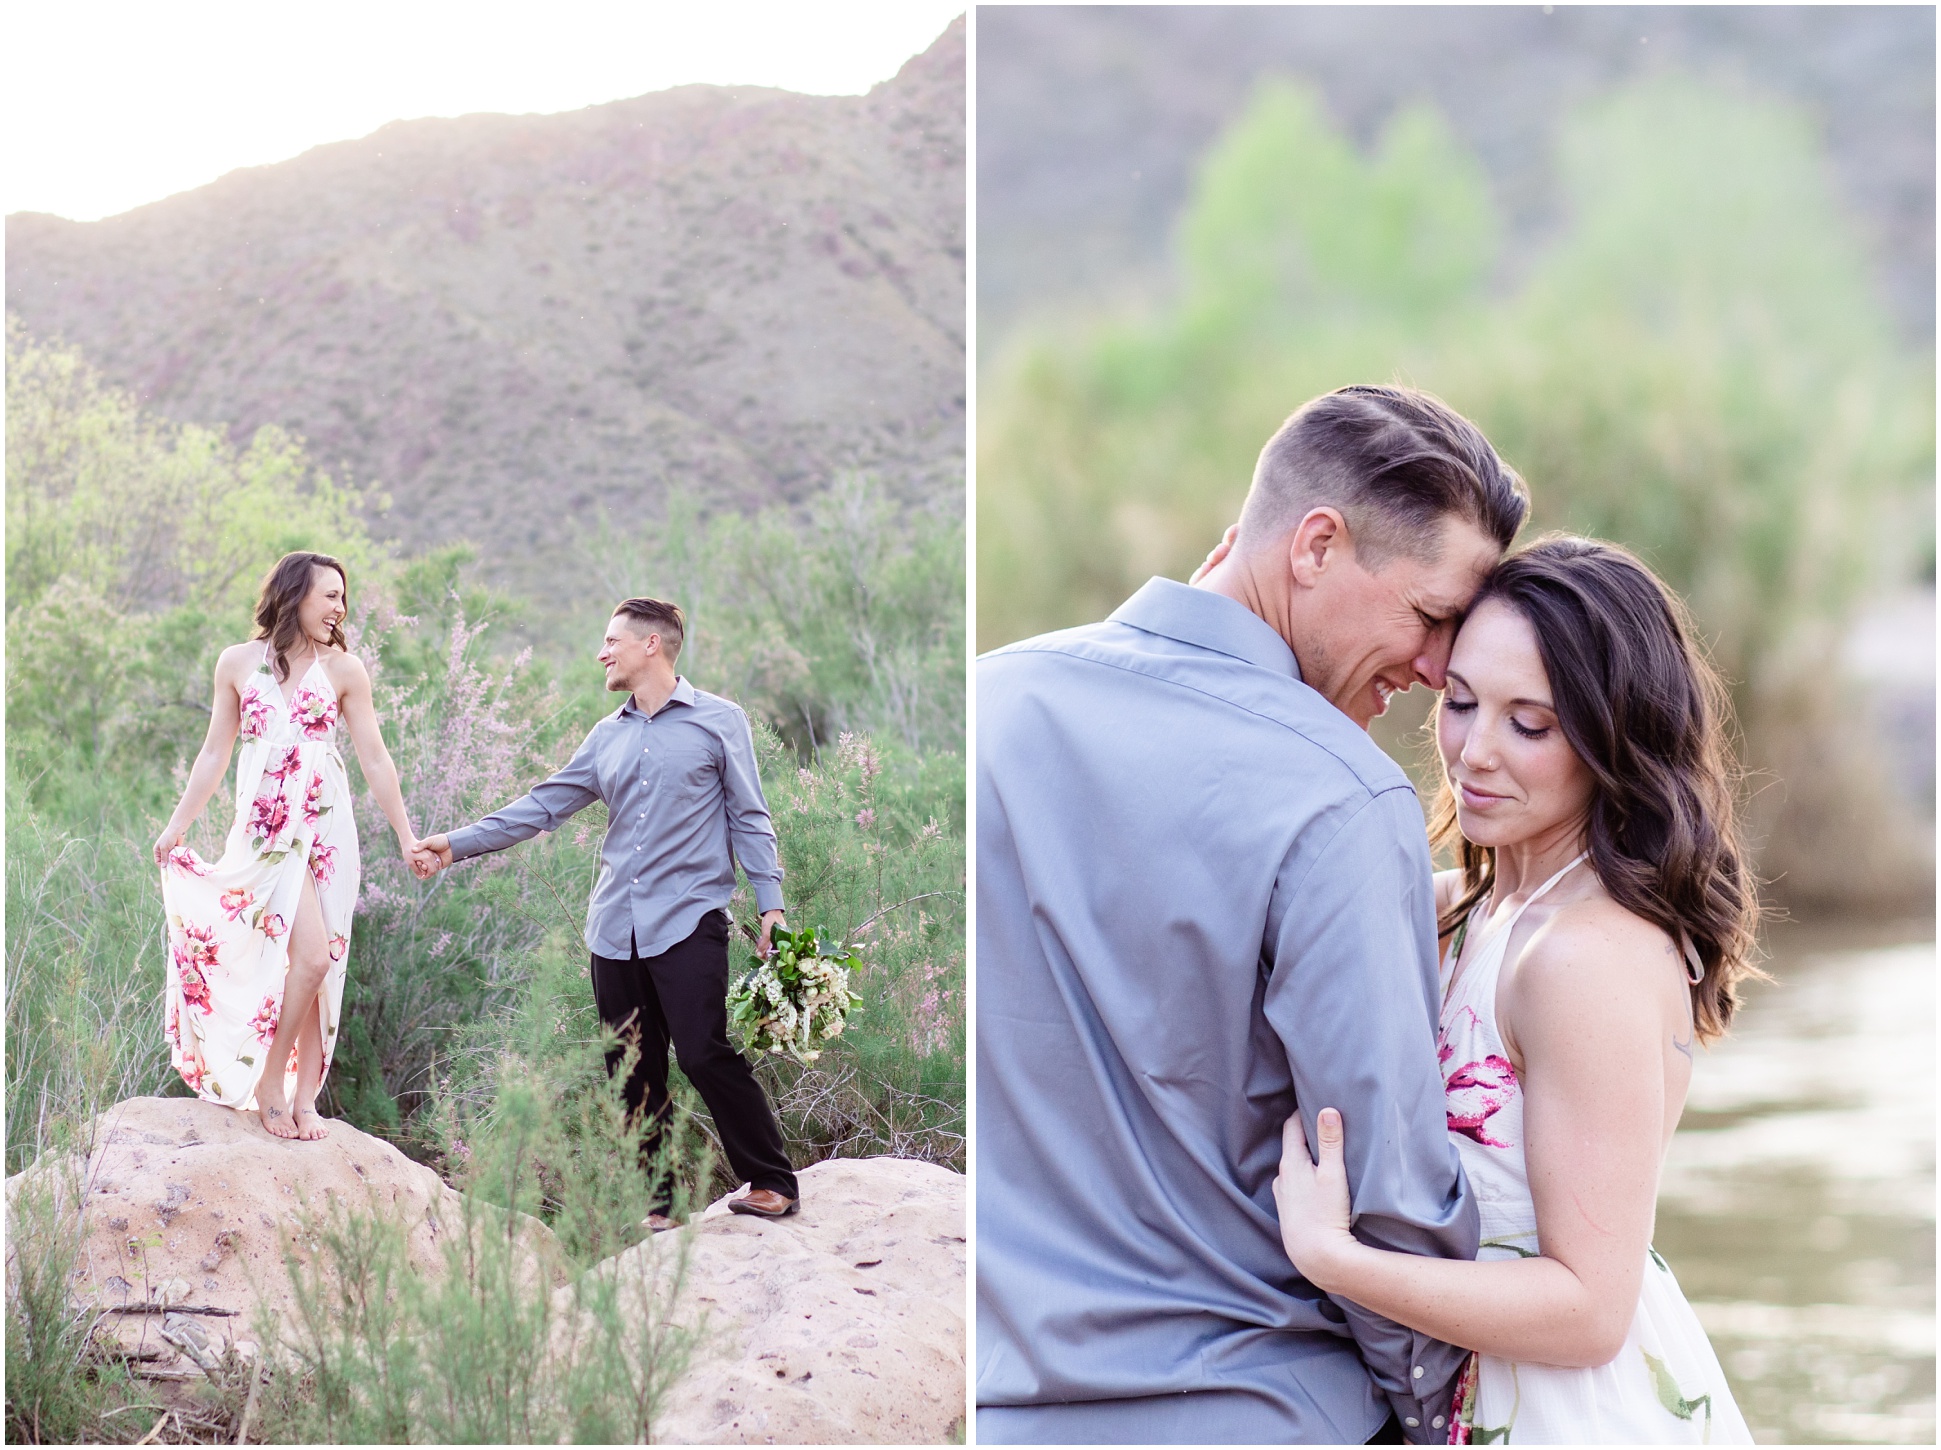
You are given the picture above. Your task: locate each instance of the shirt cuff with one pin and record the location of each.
(463, 843)
(768, 896)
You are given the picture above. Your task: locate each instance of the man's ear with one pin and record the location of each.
(1320, 539)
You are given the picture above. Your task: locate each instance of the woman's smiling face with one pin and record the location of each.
(322, 609)
(1514, 775)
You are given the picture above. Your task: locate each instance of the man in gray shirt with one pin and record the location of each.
(1204, 903)
(676, 767)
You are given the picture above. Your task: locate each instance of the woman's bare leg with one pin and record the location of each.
(309, 961)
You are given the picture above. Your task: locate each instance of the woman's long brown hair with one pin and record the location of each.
(1648, 716)
(284, 588)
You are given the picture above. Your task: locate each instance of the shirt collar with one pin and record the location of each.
(683, 695)
(1211, 621)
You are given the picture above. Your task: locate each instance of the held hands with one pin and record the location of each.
(429, 856)
(1313, 1200)
(1218, 552)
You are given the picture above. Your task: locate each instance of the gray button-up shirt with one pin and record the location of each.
(684, 803)
(1203, 900)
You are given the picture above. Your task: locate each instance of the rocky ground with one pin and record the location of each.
(842, 1324)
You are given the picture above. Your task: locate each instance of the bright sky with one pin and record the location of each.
(109, 104)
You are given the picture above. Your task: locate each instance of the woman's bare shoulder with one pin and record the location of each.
(239, 659)
(344, 668)
(1448, 889)
(1590, 953)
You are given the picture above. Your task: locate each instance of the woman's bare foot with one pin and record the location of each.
(275, 1109)
(310, 1123)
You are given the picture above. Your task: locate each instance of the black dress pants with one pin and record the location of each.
(682, 995)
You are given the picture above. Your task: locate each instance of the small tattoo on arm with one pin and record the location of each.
(1684, 1047)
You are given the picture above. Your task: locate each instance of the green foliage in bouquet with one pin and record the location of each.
(798, 996)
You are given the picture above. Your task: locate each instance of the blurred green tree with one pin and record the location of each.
(1696, 367)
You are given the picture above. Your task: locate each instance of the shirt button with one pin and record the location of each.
(1417, 1372)
(1412, 1423)
(1436, 1423)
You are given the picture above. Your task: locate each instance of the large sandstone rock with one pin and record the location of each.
(841, 1325)
(193, 1204)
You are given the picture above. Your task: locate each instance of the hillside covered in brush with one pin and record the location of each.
(528, 328)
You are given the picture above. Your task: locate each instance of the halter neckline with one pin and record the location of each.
(1491, 931)
(288, 703)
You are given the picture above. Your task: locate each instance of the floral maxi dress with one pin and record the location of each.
(1665, 1387)
(229, 920)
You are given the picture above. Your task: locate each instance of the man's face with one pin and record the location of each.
(1388, 629)
(626, 650)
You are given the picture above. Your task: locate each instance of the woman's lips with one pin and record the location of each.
(1477, 799)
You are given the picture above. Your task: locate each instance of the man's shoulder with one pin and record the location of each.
(708, 702)
(1281, 724)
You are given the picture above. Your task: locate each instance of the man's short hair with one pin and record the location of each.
(1394, 461)
(661, 618)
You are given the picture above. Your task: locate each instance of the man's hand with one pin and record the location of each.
(430, 856)
(770, 920)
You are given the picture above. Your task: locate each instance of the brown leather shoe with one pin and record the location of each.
(764, 1203)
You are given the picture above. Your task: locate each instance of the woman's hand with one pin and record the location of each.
(1216, 554)
(171, 837)
(1313, 1201)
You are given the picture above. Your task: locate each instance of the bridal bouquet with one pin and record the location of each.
(798, 997)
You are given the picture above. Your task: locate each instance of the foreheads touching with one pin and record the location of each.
(1391, 462)
(1374, 516)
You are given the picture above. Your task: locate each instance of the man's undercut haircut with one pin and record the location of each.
(660, 618)
(1394, 461)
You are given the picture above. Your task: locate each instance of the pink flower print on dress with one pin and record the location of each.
(192, 1074)
(274, 926)
(313, 805)
(195, 956)
(313, 713)
(195, 987)
(338, 946)
(286, 765)
(267, 818)
(323, 864)
(236, 901)
(263, 1024)
(183, 859)
(173, 1029)
(255, 715)
(1475, 1092)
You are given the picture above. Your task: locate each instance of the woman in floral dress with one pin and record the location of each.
(258, 941)
(1600, 919)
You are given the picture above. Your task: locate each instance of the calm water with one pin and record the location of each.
(1798, 1202)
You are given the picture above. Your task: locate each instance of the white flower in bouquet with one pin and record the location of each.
(798, 996)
